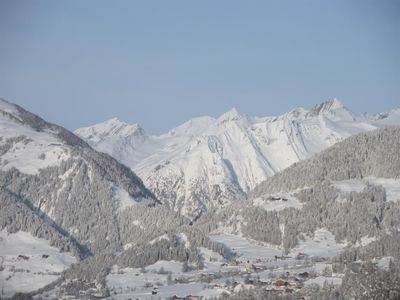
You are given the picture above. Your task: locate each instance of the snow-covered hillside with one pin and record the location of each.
(55, 187)
(206, 163)
(25, 148)
(53, 169)
(29, 263)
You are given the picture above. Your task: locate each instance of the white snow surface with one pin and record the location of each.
(131, 283)
(384, 262)
(320, 280)
(160, 238)
(125, 200)
(29, 150)
(33, 150)
(322, 244)
(209, 162)
(392, 186)
(246, 248)
(168, 266)
(20, 275)
(182, 238)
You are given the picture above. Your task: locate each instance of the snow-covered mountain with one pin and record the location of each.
(50, 175)
(75, 222)
(206, 163)
(59, 194)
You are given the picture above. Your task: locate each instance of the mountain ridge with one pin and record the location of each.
(209, 160)
(56, 192)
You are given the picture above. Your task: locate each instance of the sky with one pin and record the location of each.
(160, 63)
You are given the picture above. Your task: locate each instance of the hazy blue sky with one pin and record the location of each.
(160, 63)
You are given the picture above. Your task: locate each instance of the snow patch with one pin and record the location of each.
(392, 186)
(160, 238)
(29, 150)
(323, 244)
(245, 248)
(365, 240)
(125, 200)
(168, 266)
(351, 185)
(128, 246)
(26, 267)
(320, 280)
(384, 262)
(182, 238)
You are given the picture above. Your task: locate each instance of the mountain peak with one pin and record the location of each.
(115, 120)
(328, 106)
(112, 127)
(333, 108)
(231, 115)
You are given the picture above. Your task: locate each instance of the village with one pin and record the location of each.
(277, 275)
(250, 265)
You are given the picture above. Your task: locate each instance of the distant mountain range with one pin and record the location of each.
(76, 222)
(206, 163)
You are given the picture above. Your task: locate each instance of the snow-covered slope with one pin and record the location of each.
(350, 189)
(50, 175)
(58, 189)
(206, 163)
(29, 263)
(24, 147)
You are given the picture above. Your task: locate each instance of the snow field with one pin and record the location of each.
(34, 270)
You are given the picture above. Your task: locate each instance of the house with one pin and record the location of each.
(280, 282)
(232, 263)
(217, 286)
(288, 290)
(271, 290)
(299, 285)
(304, 275)
(301, 255)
